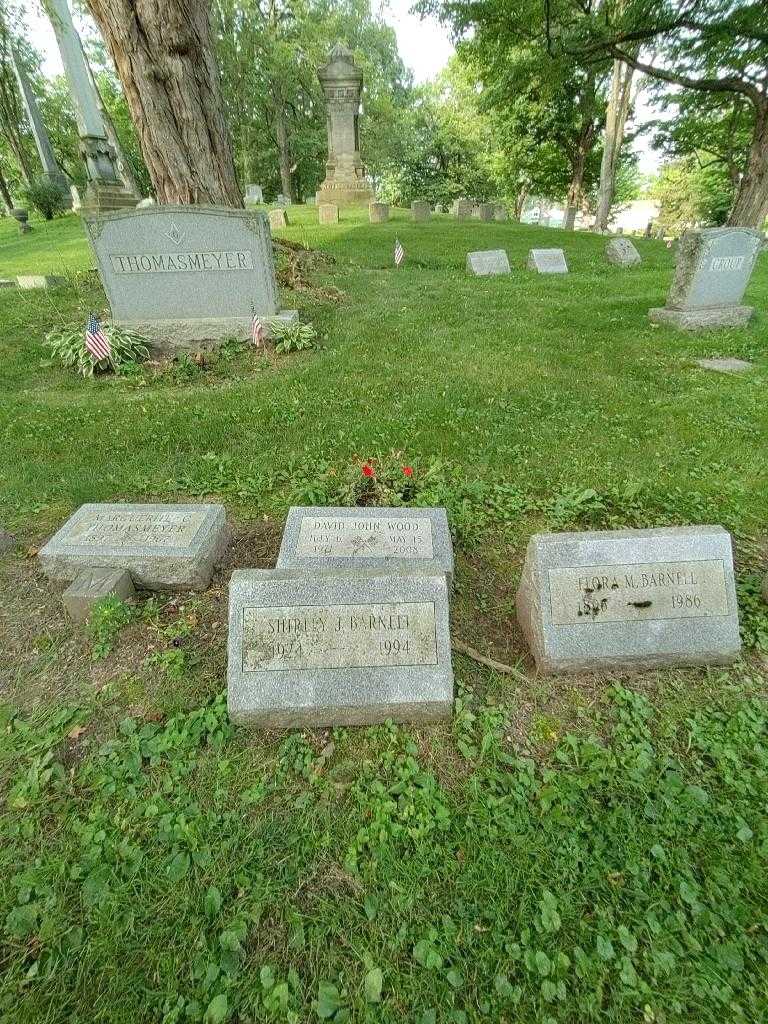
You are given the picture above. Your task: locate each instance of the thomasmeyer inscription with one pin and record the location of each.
(373, 537)
(339, 636)
(181, 262)
(117, 528)
(624, 593)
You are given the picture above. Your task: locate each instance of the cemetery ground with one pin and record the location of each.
(566, 849)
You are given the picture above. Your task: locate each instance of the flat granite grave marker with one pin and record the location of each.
(547, 261)
(712, 270)
(186, 276)
(40, 281)
(487, 262)
(622, 253)
(163, 547)
(324, 648)
(368, 538)
(635, 599)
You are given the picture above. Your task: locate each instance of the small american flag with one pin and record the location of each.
(95, 340)
(399, 252)
(257, 331)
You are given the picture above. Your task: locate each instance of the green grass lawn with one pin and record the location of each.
(566, 850)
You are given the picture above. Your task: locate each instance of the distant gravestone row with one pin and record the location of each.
(488, 262)
(352, 625)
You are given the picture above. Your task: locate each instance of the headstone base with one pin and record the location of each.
(206, 333)
(107, 198)
(94, 585)
(345, 193)
(702, 319)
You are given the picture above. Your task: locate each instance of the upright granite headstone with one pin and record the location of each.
(186, 276)
(634, 599)
(487, 262)
(500, 212)
(334, 649)
(254, 194)
(369, 538)
(420, 211)
(278, 219)
(712, 271)
(328, 213)
(283, 200)
(622, 253)
(547, 261)
(378, 213)
(463, 209)
(163, 547)
(485, 211)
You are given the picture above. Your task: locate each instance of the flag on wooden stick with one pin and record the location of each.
(399, 252)
(257, 331)
(96, 340)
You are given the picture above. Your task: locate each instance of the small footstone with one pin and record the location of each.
(629, 599)
(40, 281)
(94, 585)
(328, 649)
(725, 365)
(164, 547)
(278, 219)
(365, 538)
(547, 261)
(488, 262)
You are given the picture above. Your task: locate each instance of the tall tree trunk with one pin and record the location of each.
(575, 189)
(750, 207)
(5, 192)
(283, 148)
(615, 122)
(520, 198)
(163, 53)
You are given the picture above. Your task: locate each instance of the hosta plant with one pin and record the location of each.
(67, 344)
(293, 336)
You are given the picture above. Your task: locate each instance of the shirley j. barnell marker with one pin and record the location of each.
(338, 648)
(712, 271)
(345, 181)
(186, 276)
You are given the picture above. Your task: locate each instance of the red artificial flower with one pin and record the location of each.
(408, 470)
(368, 470)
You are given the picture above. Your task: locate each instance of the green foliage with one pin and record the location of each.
(67, 344)
(48, 198)
(108, 617)
(691, 193)
(753, 610)
(292, 336)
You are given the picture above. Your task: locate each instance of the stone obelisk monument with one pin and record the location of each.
(345, 181)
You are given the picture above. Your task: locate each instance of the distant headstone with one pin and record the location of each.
(547, 261)
(378, 213)
(254, 194)
(420, 211)
(335, 649)
(500, 212)
(622, 253)
(369, 538)
(487, 262)
(310, 201)
(163, 547)
(476, 211)
(40, 281)
(93, 585)
(144, 204)
(278, 219)
(328, 213)
(634, 599)
(725, 365)
(186, 277)
(439, 208)
(77, 202)
(283, 200)
(712, 271)
(485, 211)
(463, 209)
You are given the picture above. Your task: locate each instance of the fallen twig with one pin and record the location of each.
(497, 666)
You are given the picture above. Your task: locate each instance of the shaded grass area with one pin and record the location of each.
(583, 849)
